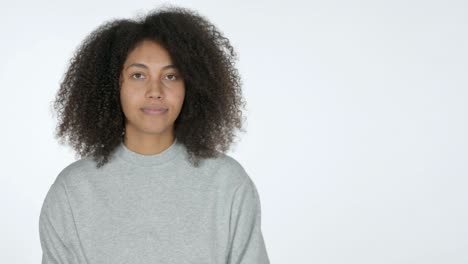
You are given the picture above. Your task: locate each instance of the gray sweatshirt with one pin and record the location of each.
(152, 209)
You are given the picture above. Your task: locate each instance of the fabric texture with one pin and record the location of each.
(152, 209)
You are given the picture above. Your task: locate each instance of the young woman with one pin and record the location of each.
(151, 105)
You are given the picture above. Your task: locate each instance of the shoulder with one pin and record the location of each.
(56, 198)
(229, 164)
(75, 171)
(237, 182)
(226, 170)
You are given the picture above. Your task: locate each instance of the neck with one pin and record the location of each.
(148, 145)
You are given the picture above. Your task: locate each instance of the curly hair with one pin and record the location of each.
(88, 103)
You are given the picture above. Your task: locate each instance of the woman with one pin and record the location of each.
(151, 106)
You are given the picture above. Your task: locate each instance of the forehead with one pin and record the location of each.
(148, 51)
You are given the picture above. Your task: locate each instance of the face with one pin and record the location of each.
(151, 93)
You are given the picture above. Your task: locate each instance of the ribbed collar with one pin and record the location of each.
(168, 155)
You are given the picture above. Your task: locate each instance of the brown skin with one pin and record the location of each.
(153, 85)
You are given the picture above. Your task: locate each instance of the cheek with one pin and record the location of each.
(128, 99)
(123, 99)
(175, 97)
(178, 101)
(181, 96)
(131, 93)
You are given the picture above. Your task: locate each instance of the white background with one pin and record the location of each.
(356, 132)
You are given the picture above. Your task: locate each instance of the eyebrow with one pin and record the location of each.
(141, 65)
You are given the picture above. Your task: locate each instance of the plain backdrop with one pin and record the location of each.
(356, 121)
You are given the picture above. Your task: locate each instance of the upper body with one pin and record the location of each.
(148, 104)
(152, 209)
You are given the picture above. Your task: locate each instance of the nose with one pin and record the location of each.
(155, 90)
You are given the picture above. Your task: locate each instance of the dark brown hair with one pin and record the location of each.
(90, 115)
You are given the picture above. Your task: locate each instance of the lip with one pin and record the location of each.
(154, 110)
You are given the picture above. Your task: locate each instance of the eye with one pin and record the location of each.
(172, 77)
(137, 74)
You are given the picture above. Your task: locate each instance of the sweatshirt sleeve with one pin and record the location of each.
(58, 236)
(246, 239)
